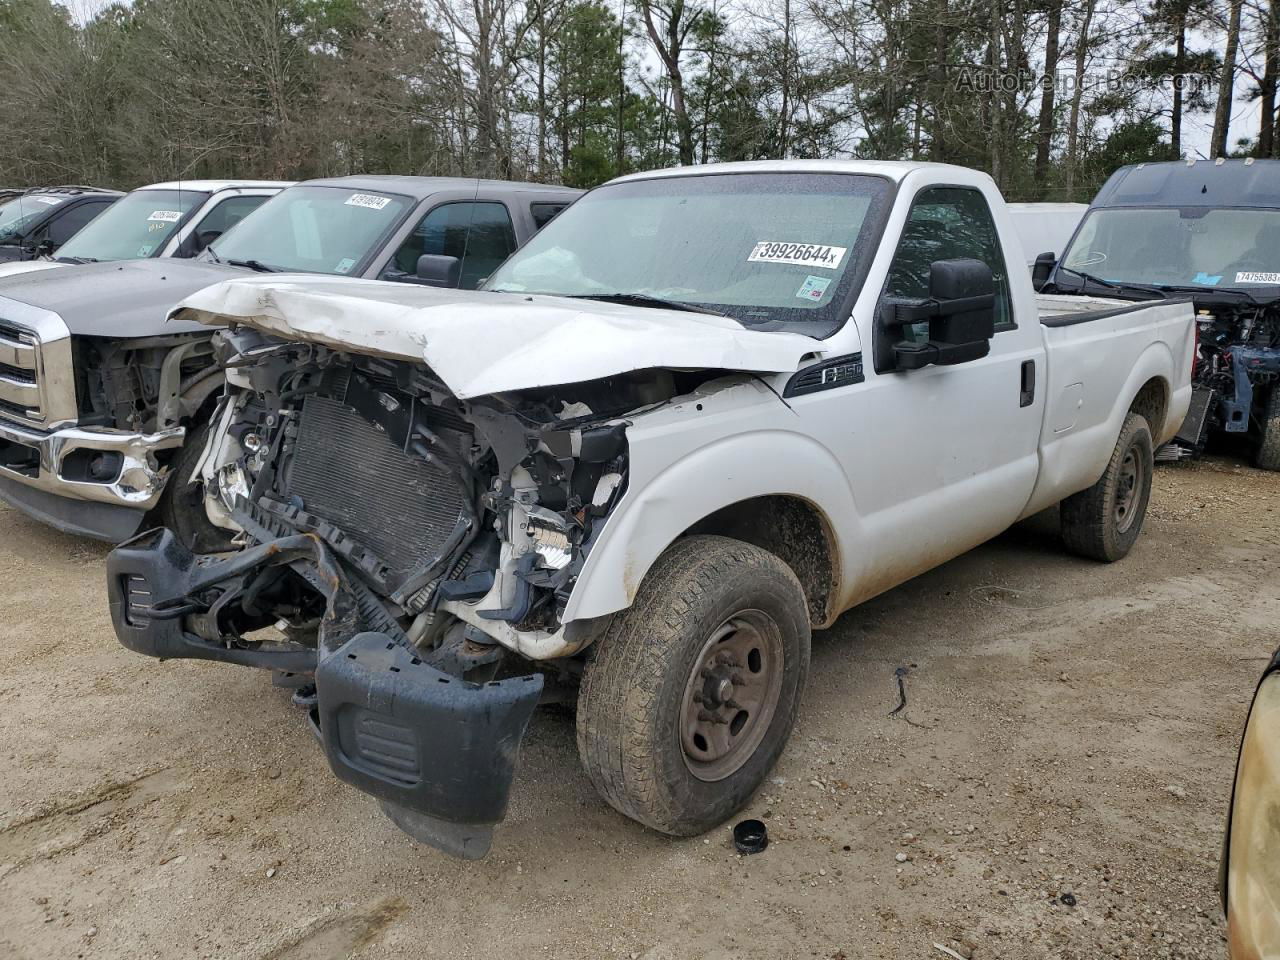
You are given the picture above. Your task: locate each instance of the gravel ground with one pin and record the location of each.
(1055, 786)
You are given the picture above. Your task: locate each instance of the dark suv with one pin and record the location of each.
(37, 222)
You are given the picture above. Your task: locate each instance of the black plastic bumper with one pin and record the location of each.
(438, 752)
(148, 578)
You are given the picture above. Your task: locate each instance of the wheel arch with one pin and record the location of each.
(1151, 402)
(793, 529)
(760, 488)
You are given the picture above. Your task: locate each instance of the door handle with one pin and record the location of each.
(1027, 389)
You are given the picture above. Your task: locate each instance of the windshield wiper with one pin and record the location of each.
(1208, 291)
(257, 265)
(645, 300)
(1112, 285)
(75, 259)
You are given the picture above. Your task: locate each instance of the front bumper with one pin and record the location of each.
(438, 752)
(48, 474)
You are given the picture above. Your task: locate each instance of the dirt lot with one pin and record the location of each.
(1070, 729)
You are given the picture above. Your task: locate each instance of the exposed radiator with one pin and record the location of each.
(346, 470)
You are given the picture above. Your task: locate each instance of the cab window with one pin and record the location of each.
(948, 223)
(544, 213)
(479, 233)
(226, 215)
(67, 224)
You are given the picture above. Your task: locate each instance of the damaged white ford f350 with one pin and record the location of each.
(703, 412)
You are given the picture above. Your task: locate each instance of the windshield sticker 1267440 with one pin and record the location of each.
(805, 254)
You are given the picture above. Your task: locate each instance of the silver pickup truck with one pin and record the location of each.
(101, 398)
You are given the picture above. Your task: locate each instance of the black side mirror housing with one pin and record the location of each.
(960, 312)
(1044, 265)
(437, 270)
(195, 243)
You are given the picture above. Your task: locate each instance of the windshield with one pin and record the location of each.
(18, 214)
(1171, 246)
(135, 226)
(759, 247)
(312, 229)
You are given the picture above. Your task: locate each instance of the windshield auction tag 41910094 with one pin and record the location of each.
(805, 254)
(367, 200)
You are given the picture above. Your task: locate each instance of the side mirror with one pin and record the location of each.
(960, 312)
(195, 243)
(437, 270)
(1044, 265)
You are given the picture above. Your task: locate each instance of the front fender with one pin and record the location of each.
(678, 494)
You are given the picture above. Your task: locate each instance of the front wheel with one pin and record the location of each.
(181, 506)
(693, 690)
(1103, 522)
(1268, 457)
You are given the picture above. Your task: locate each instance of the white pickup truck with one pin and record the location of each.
(702, 413)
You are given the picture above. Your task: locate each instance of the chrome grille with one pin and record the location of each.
(19, 376)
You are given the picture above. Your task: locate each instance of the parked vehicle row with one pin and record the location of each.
(101, 398)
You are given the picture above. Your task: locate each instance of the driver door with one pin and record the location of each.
(945, 457)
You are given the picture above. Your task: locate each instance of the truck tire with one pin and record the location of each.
(181, 506)
(1268, 456)
(1103, 522)
(693, 690)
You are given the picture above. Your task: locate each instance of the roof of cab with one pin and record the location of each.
(422, 187)
(70, 189)
(213, 186)
(1193, 183)
(895, 170)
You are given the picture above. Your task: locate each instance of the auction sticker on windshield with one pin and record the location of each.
(367, 200)
(1257, 277)
(805, 254)
(165, 216)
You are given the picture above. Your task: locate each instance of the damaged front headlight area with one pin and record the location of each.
(440, 510)
(398, 544)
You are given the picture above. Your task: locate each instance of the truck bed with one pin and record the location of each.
(1098, 350)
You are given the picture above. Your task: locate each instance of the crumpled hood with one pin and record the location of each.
(128, 298)
(480, 343)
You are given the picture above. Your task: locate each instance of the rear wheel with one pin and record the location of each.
(1268, 457)
(181, 506)
(692, 691)
(1103, 522)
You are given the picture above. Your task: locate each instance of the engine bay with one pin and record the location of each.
(423, 500)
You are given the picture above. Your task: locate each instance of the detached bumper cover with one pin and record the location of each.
(439, 753)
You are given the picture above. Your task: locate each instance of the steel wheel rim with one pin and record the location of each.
(1129, 489)
(731, 695)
